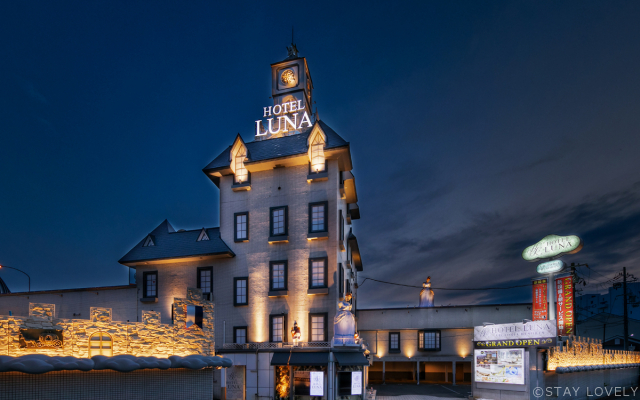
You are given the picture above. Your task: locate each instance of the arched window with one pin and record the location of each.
(100, 344)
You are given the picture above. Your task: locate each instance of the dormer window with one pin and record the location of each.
(148, 242)
(241, 171)
(238, 156)
(203, 235)
(317, 154)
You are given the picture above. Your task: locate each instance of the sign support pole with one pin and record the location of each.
(551, 296)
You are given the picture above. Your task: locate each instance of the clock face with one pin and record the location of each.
(288, 77)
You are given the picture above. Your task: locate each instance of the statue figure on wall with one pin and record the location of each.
(426, 294)
(344, 324)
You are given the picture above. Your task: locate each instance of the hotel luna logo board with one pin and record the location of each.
(282, 118)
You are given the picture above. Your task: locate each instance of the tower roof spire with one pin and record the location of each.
(292, 51)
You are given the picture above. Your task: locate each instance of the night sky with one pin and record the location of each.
(476, 129)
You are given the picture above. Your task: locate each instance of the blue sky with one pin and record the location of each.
(476, 129)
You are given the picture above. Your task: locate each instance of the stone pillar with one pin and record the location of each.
(446, 374)
(453, 363)
(383, 382)
(418, 369)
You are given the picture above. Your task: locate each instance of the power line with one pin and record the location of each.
(441, 288)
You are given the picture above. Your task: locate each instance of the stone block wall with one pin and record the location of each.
(147, 338)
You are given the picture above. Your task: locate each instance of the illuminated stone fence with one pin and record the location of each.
(585, 354)
(191, 333)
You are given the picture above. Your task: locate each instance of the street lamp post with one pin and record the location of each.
(4, 266)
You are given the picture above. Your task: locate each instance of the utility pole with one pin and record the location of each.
(626, 318)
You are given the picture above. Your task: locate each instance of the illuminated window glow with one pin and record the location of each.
(429, 340)
(100, 344)
(317, 154)
(240, 170)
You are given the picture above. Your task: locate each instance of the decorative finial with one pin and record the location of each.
(292, 51)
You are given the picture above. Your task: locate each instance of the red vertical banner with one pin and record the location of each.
(564, 306)
(540, 312)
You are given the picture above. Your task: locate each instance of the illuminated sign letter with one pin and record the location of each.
(305, 118)
(258, 129)
(271, 131)
(267, 111)
(288, 120)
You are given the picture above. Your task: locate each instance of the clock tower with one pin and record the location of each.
(291, 91)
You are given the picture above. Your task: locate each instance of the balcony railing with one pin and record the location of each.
(268, 345)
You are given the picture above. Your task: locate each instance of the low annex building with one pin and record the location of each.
(78, 349)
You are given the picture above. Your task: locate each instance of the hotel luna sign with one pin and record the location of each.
(552, 246)
(282, 118)
(533, 333)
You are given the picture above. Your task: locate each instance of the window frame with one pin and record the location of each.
(286, 275)
(325, 333)
(235, 290)
(101, 349)
(235, 227)
(326, 267)
(286, 221)
(341, 225)
(199, 280)
(246, 334)
(392, 350)
(144, 284)
(284, 327)
(438, 333)
(326, 216)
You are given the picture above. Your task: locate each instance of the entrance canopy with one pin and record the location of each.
(355, 358)
(300, 359)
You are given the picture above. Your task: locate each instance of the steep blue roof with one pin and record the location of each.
(281, 147)
(167, 243)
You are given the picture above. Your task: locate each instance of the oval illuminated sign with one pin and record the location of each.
(551, 267)
(552, 246)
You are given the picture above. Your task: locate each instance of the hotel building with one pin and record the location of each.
(282, 258)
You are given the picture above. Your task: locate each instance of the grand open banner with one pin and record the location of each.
(564, 306)
(540, 312)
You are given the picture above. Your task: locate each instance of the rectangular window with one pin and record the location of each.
(205, 281)
(279, 221)
(278, 275)
(318, 327)
(317, 273)
(429, 340)
(394, 342)
(318, 216)
(277, 328)
(150, 284)
(241, 227)
(240, 291)
(240, 334)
